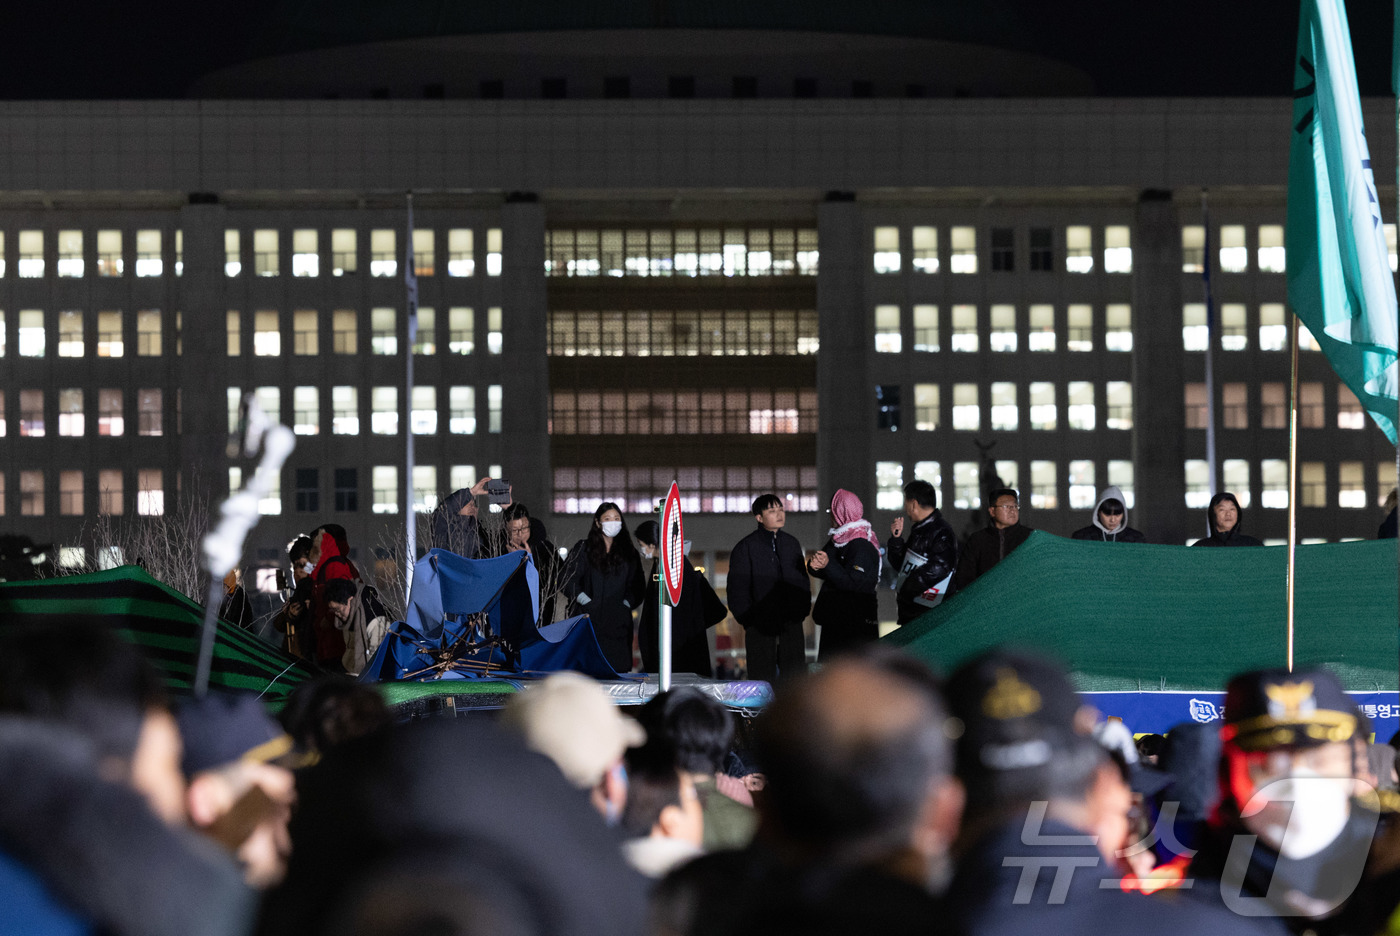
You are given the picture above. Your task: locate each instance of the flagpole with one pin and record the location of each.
(1292, 480)
(1210, 353)
(411, 518)
(1396, 88)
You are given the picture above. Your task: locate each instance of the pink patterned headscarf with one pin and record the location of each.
(847, 512)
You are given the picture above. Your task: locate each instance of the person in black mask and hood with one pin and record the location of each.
(1225, 519)
(1110, 521)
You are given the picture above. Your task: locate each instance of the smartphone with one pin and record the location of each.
(282, 580)
(498, 491)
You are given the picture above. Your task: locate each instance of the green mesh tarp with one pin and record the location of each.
(163, 622)
(1130, 617)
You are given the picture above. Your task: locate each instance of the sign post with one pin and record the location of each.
(672, 548)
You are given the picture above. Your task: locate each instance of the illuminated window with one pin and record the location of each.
(461, 419)
(1350, 415)
(925, 328)
(31, 413)
(888, 338)
(1195, 334)
(109, 253)
(967, 412)
(179, 253)
(1273, 406)
(1118, 327)
(149, 411)
(233, 253)
(1195, 401)
(1312, 413)
(1042, 328)
(1273, 330)
(383, 252)
(1385, 481)
(1117, 252)
(460, 330)
(109, 493)
(889, 485)
(1120, 475)
(70, 333)
(31, 493)
(1119, 403)
(964, 243)
(148, 334)
(1312, 484)
(1389, 247)
(1044, 485)
(1009, 473)
(110, 342)
(926, 405)
(1003, 250)
(931, 472)
(425, 342)
(1234, 400)
(1234, 255)
(1234, 330)
(345, 256)
(1082, 412)
(493, 252)
(1197, 484)
(383, 330)
(424, 252)
(267, 334)
(425, 488)
(1006, 415)
(270, 504)
(70, 412)
(1306, 341)
(1193, 248)
(233, 326)
(925, 249)
(306, 337)
(967, 488)
(32, 340)
(965, 328)
(70, 493)
(1273, 483)
(887, 250)
(1082, 487)
(461, 253)
(344, 332)
(70, 254)
(110, 418)
(2, 334)
(1271, 252)
(422, 414)
(31, 254)
(269, 401)
(1079, 248)
(1235, 475)
(267, 258)
(150, 492)
(1351, 485)
(1044, 412)
(493, 330)
(384, 481)
(345, 411)
(306, 411)
(384, 410)
(1080, 332)
(149, 261)
(306, 252)
(1003, 332)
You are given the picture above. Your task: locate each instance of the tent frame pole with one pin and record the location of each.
(1292, 480)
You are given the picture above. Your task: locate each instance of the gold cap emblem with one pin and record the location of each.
(1010, 697)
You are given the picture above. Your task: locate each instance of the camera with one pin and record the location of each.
(498, 491)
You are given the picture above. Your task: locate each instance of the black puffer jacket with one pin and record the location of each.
(934, 540)
(1231, 537)
(768, 584)
(846, 607)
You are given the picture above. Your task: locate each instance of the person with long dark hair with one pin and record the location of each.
(605, 582)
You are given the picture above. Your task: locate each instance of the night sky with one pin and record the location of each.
(156, 48)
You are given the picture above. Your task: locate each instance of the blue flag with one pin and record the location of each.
(1339, 280)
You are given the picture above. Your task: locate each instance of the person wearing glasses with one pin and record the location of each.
(1110, 521)
(994, 542)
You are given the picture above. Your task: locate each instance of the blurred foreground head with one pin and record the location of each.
(859, 765)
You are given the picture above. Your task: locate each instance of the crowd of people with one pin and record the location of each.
(869, 796)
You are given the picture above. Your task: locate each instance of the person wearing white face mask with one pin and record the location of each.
(294, 618)
(1290, 838)
(604, 580)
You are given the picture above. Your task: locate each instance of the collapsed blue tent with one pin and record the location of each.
(476, 617)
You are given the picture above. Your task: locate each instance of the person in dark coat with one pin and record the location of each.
(770, 594)
(455, 526)
(1225, 518)
(1390, 526)
(1110, 521)
(699, 610)
(521, 532)
(849, 567)
(605, 582)
(994, 542)
(924, 563)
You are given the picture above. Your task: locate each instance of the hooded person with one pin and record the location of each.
(849, 568)
(455, 526)
(699, 610)
(1224, 519)
(330, 553)
(1110, 521)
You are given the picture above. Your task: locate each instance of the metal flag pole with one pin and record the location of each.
(1397, 228)
(410, 277)
(1292, 481)
(1210, 353)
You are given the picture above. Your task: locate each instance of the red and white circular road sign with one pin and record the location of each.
(672, 546)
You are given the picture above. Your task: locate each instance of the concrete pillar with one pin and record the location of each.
(844, 391)
(203, 361)
(524, 386)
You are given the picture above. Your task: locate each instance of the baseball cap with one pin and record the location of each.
(568, 718)
(224, 728)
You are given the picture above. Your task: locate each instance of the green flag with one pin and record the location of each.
(1339, 279)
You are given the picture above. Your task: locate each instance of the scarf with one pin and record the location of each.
(847, 510)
